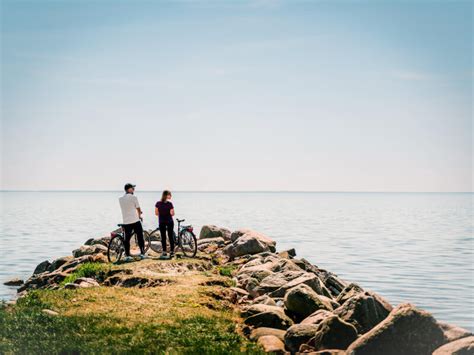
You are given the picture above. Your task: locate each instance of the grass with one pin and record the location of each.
(226, 270)
(87, 270)
(179, 318)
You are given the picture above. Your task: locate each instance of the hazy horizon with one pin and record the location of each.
(256, 95)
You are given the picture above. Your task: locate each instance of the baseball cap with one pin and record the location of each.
(127, 186)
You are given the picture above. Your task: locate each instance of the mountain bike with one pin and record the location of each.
(116, 248)
(185, 240)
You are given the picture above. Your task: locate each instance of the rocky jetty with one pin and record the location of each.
(287, 304)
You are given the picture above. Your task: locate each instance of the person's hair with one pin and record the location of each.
(165, 194)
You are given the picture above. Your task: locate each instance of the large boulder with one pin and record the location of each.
(273, 317)
(463, 346)
(302, 301)
(317, 317)
(102, 241)
(89, 250)
(210, 231)
(333, 333)
(452, 332)
(364, 311)
(299, 334)
(308, 279)
(41, 267)
(56, 264)
(205, 242)
(348, 292)
(271, 344)
(250, 242)
(262, 331)
(406, 330)
(259, 308)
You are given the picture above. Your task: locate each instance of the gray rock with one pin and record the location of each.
(452, 333)
(259, 308)
(270, 319)
(262, 331)
(348, 292)
(205, 242)
(56, 264)
(264, 299)
(14, 282)
(287, 254)
(250, 242)
(308, 279)
(364, 311)
(41, 267)
(302, 301)
(251, 287)
(89, 250)
(333, 333)
(299, 334)
(85, 282)
(101, 241)
(317, 317)
(50, 312)
(271, 283)
(390, 336)
(463, 346)
(271, 344)
(211, 231)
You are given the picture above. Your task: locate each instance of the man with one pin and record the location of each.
(132, 217)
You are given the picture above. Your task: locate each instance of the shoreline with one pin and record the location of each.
(286, 304)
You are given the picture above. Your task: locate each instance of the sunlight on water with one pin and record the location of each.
(415, 247)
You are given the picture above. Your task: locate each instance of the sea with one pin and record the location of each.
(408, 247)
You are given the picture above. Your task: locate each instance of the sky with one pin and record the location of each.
(237, 95)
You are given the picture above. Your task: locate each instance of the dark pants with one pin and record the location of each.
(167, 227)
(129, 229)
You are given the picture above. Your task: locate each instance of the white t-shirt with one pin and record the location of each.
(129, 205)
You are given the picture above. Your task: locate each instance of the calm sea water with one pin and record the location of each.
(415, 247)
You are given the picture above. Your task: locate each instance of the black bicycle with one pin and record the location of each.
(185, 240)
(116, 248)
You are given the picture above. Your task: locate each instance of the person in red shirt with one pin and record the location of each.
(164, 209)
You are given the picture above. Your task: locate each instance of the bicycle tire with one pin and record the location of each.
(155, 245)
(190, 241)
(115, 249)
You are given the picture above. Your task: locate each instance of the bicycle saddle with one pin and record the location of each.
(180, 220)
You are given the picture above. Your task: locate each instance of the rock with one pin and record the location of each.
(364, 311)
(50, 312)
(42, 267)
(333, 283)
(205, 242)
(264, 299)
(299, 334)
(101, 241)
(301, 300)
(85, 282)
(348, 292)
(271, 283)
(273, 318)
(287, 254)
(271, 344)
(463, 346)
(250, 242)
(333, 333)
(317, 317)
(239, 291)
(211, 231)
(259, 308)
(238, 233)
(262, 331)
(89, 250)
(14, 282)
(305, 265)
(391, 335)
(71, 286)
(251, 287)
(452, 332)
(308, 279)
(56, 264)
(328, 352)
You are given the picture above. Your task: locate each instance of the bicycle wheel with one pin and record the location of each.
(135, 247)
(115, 249)
(155, 241)
(188, 243)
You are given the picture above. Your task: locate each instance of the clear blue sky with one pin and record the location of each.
(248, 95)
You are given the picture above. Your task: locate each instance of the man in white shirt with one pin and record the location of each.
(132, 217)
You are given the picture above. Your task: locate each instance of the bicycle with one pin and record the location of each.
(185, 240)
(116, 248)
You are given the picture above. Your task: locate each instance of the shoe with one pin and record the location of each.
(163, 255)
(171, 255)
(143, 256)
(127, 259)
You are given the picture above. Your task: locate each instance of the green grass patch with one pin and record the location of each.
(95, 270)
(25, 329)
(226, 270)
